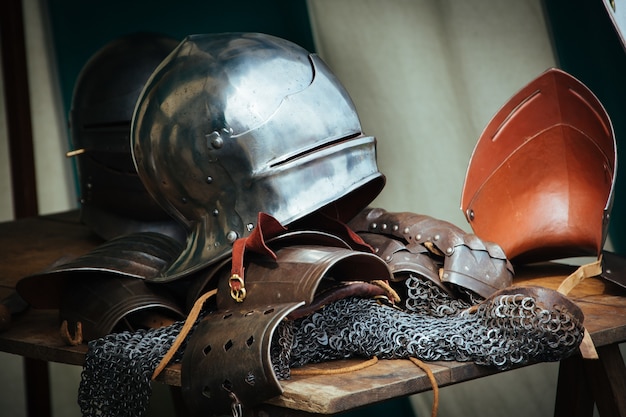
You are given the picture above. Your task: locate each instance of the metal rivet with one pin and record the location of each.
(470, 214)
(374, 226)
(436, 237)
(384, 226)
(214, 139)
(406, 231)
(395, 227)
(184, 200)
(449, 250)
(231, 236)
(216, 212)
(249, 227)
(217, 143)
(250, 379)
(418, 236)
(209, 180)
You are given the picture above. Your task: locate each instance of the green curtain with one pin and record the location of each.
(80, 28)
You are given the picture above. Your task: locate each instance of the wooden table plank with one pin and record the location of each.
(33, 244)
(36, 334)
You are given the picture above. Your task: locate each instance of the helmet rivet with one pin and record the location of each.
(249, 227)
(216, 212)
(395, 227)
(184, 200)
(374, 226)
(217, 142)
(214, 140)
(384, 226)
(470, 214)
(209, 180)
(231, 236)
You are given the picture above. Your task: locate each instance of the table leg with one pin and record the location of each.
(607, 377)
(573, 395)
(37, 388)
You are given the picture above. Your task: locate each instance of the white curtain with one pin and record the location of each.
(426, 77)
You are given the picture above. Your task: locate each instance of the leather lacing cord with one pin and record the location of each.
(587, 348)
(433, 383)
(67, 337)
(343, 370)
(184, 331)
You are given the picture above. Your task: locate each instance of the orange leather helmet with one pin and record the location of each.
(540, 180)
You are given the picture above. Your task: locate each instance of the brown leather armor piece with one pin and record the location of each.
(403, 259)
(299, 271)
(545, 298)
(466, 260)
(106, 286)
(139, 255)
(108, 304)
(227, 359)
(227, 356)
(540, 180)
(208, 278)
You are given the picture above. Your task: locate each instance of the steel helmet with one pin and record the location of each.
(234, 124)
(113, 199)
(541, 178)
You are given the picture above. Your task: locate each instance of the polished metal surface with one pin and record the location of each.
(235, 124)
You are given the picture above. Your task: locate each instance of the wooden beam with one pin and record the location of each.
(17, 105)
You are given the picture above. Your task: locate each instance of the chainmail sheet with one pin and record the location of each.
(115, 381)
(502, 332)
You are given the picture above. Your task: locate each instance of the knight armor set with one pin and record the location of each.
(253, 145)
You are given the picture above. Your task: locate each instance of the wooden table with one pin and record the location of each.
(31, 245)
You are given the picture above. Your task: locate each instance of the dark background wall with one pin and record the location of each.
(80, 28)
(587, 46)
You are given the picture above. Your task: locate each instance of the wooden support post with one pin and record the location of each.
(607, 377)
(22, 161)
(573, 394)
